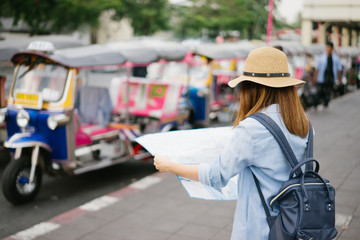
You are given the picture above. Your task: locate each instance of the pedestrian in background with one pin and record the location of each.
(309, 91)
(327, 75)
(265, 86)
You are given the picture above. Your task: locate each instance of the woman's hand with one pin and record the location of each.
(163, 163)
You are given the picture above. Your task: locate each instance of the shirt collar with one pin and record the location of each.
(273, 108)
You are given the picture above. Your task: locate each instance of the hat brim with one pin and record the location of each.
(275, 82)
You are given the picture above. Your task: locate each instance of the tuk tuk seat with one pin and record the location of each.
(149, 98)
(89, 133)
(94, 107)
(98, 132)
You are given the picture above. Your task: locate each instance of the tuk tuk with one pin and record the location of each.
(64, 116)
(222, 63)
(146, 95)
(8, 48)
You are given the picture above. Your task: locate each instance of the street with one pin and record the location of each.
(60, 194)
(163, 209)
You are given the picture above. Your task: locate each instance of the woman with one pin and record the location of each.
(266, 86)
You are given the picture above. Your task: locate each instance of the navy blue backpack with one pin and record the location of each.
(306, 201)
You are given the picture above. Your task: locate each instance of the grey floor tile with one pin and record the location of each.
(348, 198)
(87, 223)
(212, 221)
(98, 236)
(222, 235)
(357, 212)
(168, 225)
(198, 231)
(344, 209)
(182, 237)
(66, 232)
(119, 228)
(167, 203)
(148, 234)
(353, 231)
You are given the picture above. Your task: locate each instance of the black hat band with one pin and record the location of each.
(266, 74)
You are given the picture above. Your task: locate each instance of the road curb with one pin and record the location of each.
(94, 205)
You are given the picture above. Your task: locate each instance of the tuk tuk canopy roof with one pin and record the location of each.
(349, 51)
(290, 47)
(9, 47)
(224, 50)
(81, 57)
(88, 56)
(146, 51)
(93, 56)
(315, 49)
(135, 54)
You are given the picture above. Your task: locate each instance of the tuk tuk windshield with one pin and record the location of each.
(44, 78)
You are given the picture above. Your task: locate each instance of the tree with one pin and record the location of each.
(72, 14)
(148, 16)
(56, 16)
(258, 18)
(246, 16)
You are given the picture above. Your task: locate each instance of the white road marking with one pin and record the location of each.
(36, 231)
(99, 203)
(145, 182)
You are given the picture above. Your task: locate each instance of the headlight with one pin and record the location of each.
(3, 112)
(57, 120)
(22, 118)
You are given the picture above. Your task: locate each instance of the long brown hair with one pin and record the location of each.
(255, 97)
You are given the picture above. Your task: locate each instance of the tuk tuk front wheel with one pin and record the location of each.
(16, 186)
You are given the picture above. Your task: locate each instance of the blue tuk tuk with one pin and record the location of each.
(71, 111)
(8, 48)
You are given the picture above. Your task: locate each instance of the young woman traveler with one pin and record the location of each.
(265, 86)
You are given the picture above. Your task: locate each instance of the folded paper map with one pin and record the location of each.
(194, 147)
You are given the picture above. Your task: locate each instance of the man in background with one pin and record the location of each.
(326, 75)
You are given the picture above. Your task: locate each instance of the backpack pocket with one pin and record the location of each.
(277, 231)
(285, 224)
(316, 234)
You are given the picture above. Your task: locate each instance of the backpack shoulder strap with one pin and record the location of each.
(309, 148)
(269, 218)
(275, 130)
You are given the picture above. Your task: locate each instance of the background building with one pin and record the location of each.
(338, 21)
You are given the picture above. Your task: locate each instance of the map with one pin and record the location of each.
(194, 146)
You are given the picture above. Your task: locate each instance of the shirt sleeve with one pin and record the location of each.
(235, 158)
(318, 64)
(339, 67)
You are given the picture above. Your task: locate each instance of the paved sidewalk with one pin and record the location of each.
(157, 207)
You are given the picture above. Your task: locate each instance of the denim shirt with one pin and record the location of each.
(252, 148)
(321, 66)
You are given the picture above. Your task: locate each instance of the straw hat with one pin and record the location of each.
(267, 66)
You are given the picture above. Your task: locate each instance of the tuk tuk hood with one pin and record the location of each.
(80, 57)
(147, 51)
(9, 47)
(225, 50)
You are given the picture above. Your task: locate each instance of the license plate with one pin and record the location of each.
(31, 100)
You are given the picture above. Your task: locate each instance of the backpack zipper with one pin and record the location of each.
(290, 186)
